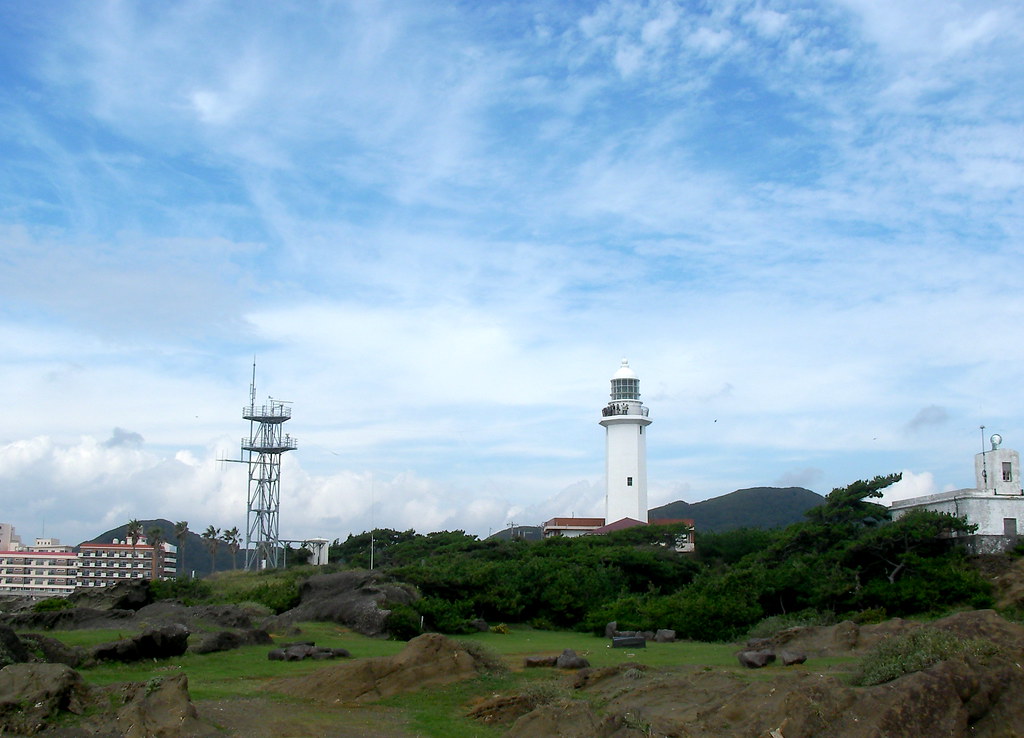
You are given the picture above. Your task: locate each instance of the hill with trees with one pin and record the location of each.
(756, 507)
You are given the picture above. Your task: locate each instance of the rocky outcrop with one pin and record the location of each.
(847, 636)
(357, 599)
(69, 619)
(960, 697)
(160, 707)
(161, 642)
(427, 660)
(33, 697)
(128, 595)
(308, 650)
(226, 640)
(569, 718)
(12, 650)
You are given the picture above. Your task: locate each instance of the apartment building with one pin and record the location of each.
(43, 569)
(101, 564)
(49, 569)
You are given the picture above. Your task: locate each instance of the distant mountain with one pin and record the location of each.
(197, 556)
(757, 507)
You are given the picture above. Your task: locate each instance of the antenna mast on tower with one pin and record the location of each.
(264, 446)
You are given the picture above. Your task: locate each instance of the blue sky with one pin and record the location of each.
(440, 226)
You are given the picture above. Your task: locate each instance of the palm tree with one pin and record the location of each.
(133, 531)
(210, 538)
(180, 532)
(231, 537)
(156, 539)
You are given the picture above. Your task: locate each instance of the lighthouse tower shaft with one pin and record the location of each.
(624, 419)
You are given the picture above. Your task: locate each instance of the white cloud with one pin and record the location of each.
(910, 485)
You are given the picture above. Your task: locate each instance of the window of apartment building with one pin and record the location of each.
(629, 481)
(1007, 471)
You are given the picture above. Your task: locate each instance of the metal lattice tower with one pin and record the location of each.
(264, 446)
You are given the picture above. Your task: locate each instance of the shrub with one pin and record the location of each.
(187, 591)
(915, 651)
(445, 616)
(51, 604)
(501, 629)
(279, 596)
(403, 622)
(543, 693)
(486, 661)
(773, 624)
(869, 616)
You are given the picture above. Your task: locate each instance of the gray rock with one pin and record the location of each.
(32, 695)
(533, 662)
(161, 642)
(480, 624)
(647, 635)
(227, 640)
(356, 598)
(570, 660)
(791, 658)
(128, 595)
(12, 650)
(611, 629)
(756, 659)
(665, 635)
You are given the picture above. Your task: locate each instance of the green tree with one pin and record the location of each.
(133, 532)
(232, 538)
(156, 540)
(181, 532)
(211, 539)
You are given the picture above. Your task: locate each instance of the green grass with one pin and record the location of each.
(524, 641)
(240, 672)
(441, 712)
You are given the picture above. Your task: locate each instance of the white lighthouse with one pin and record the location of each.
(624, 419)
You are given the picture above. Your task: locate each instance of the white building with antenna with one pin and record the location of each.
(995, 505)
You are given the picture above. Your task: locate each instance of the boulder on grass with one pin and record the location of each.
(32, 695)
(791, 658)
(756, 659)
(227, 640)
(161, 642)
(533, 662)
(571, 660)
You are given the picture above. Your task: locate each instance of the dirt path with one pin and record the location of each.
(275, 718)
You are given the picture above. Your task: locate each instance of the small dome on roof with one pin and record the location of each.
(624, 371)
